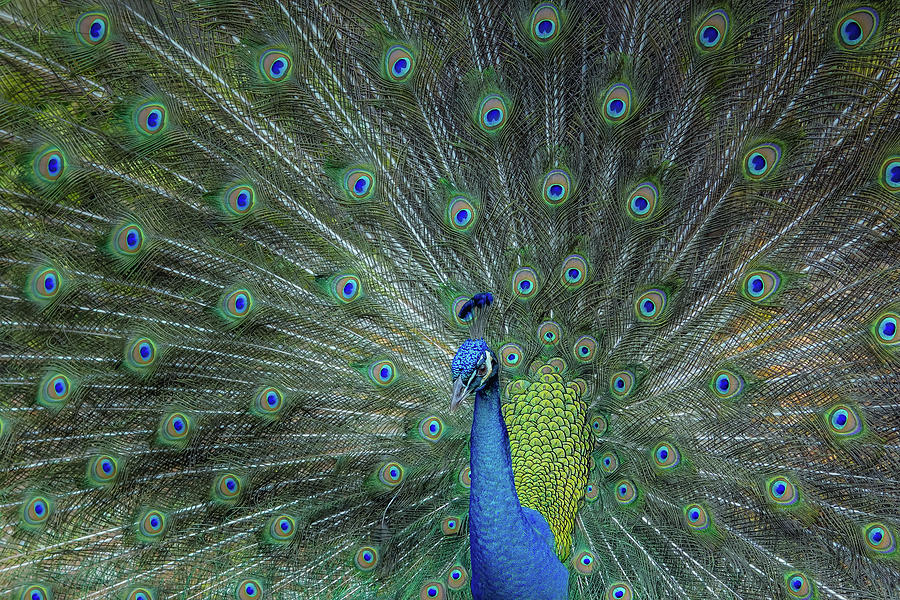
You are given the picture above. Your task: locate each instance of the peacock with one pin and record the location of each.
(426, 299)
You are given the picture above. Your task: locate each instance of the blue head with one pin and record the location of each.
(473, 367)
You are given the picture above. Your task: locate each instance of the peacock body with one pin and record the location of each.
(246, 255)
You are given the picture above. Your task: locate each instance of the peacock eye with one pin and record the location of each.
(482, 370)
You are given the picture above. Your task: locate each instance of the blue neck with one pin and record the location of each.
(510, 551)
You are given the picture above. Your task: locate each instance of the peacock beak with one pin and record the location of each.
(460, 391)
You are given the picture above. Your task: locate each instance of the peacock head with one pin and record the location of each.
(474, 366)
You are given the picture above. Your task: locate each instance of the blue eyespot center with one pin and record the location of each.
(154, 522)
(780, 488)
(723, 383)
(39, 508)
(888, 328)
(462, 216)
(757, 163)
(709, 35)
(663, 453)
(894, 174)
(493, 116)
(178, 424)
(616, 107)
(695, 514)
(545, 28)
(106, 466)
(53, 165)
(455, 575)
(145, 351)
(556, 191)
(385, 372)
(796, 583)
(272, 398)
(96, 29)
(648, 306)
(640, 204)
(367, 556)
(851, 31)
(840, 418)
(400, 66)
(361, 185)
(525, 285)
(243, 199)
(277, 67)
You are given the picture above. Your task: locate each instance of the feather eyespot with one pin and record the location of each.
(359, 184)
(268, 402)
(856, 28)
(35, 512)
(798, 585)
(457, 577)
(150, 118)
(650, 305)
(44, 285)
(450, 526)
(237, 304)
(346, 288)
(626, 492)
(761, 161)
(431, 428)
(599, 425)
(556, 187)
(712, 31)
(54, 391)
(383, 372)
(50, 164)
(574, 271)
(128, 239)
(726, 384)
(282, 528)
(524, 283)
(843, 421)
(617, 103)
(227, 488)
(619, 591)
(391, 474)
(545, 23)
(782, 491)
(175, 427)
(620, 383)
(249, 589)
(890, 174)
(366, 558)
(609, 463)
(461, 213)
(879, 538)
(666, 456)
(549, 333)
(275, 65)
(642, 201)
(35, 592)
(432, 590)
(886, 329)
(585, 348)
(584, 562)
(761, 285)
(465, 477)
(102, 470)
(239, 199)
(492, 113)
(697, 517)
(399, 63)
(142, 353)
(591, 492)
(141, 593)
(92, 28)
(152, 525)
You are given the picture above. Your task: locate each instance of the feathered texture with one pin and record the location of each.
(236, 238)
